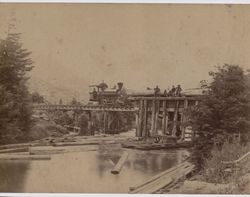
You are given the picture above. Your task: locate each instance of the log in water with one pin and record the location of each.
(120, 163)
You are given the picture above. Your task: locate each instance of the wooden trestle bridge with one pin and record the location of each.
(153, 115)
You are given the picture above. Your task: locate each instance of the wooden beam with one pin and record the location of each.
(145, 119)
(183, 119)
(164, 129)
(175, 119)
(153, 117)
(166, 98)
(140, 119)
(156, 116)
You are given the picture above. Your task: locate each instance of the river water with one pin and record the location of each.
(85, 172)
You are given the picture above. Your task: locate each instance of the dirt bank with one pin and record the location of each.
(45, 128)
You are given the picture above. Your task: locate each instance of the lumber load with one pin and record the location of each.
(23, 157)
(164, 179)
(14, 150)
(120, 163)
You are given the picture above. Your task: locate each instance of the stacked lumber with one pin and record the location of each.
(164, 179)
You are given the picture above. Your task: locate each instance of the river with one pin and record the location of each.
(85, 172)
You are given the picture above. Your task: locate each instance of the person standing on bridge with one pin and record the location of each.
(172, 91)
(178, 90)
(157, 91)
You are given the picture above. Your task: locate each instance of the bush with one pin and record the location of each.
(215, 171)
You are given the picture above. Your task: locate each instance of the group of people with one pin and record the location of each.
(174, 91)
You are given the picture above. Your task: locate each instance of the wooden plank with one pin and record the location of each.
(14, 145)
(165, 179)
(14, 150)
(83, 143)
(23, 157)
(158, 176)
(120, 163)
(43, 150)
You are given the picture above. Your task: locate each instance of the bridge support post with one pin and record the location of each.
(153, 117)
(165, 118)
(145, 120)
(183, 120)
(157, 109)
(105, 121)
(90, 124)
(140, 116)
(174, 130)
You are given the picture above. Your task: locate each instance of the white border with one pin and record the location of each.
(133, 1)
(121, 1)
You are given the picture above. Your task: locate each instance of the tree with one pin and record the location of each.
(223, 111)
(15, 111)
(37, 98)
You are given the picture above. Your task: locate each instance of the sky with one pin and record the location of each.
(142, 45)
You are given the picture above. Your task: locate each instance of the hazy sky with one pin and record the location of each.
(75, 45)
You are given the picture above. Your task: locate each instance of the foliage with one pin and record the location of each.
(215, 171)
(223, 111)
(62, 118)
(15, 111)
(37, 98)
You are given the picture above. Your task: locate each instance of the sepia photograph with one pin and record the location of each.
(111, 98)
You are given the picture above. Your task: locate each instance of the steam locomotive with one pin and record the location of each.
(104, 96)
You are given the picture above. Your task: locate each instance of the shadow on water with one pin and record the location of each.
(12, 175)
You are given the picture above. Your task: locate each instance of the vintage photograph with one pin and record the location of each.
(124, 98)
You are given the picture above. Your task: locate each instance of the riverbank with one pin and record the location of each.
(219, 176)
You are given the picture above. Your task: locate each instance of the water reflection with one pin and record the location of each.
(87, 172)
(13, 175)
